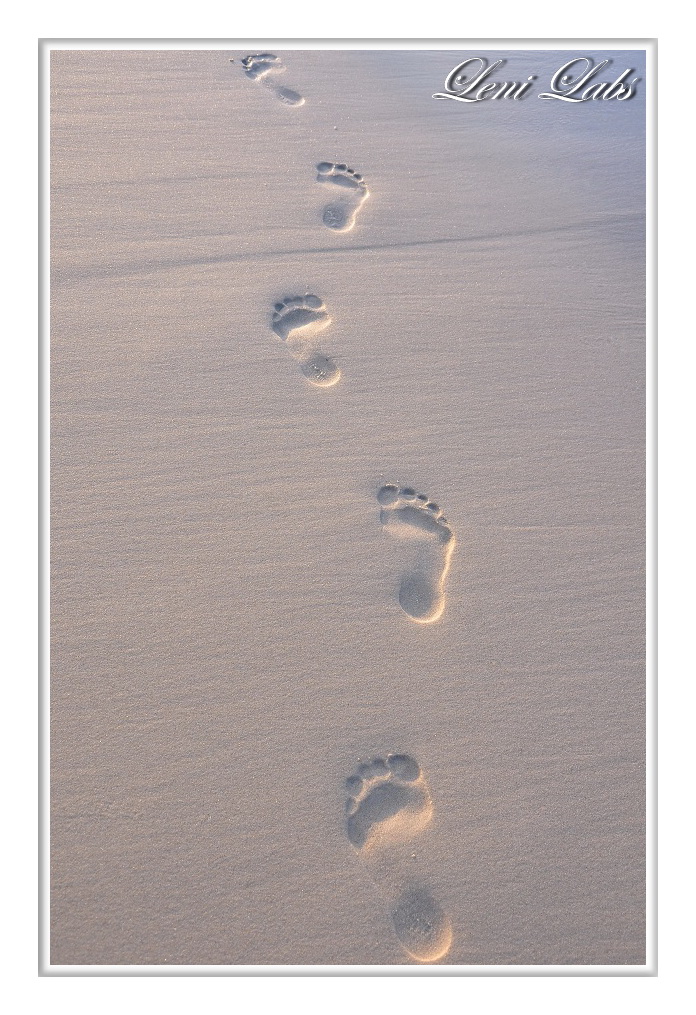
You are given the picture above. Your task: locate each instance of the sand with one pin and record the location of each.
(238, 622)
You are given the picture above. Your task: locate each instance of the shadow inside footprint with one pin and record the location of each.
(417, 596)
(321, 370)
(422, 926)
(289, 97)
(388, 801)
(299, 318)
(384, 801)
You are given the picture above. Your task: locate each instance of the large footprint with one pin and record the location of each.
(296, 320)
(340, 214)
(411, 516)
(388, 805)
(258, 66)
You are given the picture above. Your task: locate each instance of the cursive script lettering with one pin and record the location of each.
(463, 89)
(565, 87)
(575, 81)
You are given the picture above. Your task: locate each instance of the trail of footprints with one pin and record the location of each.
(388, 803)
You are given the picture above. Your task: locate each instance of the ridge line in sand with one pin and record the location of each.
(77, 275)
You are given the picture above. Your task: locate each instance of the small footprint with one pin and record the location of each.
(411, 516)
(388, 805)
(340, 214)
(296, 319)
(258, 66)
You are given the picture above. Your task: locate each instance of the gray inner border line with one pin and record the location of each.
(643, 43)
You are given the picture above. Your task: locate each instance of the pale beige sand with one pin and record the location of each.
(227, 640)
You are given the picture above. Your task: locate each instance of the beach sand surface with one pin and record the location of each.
(228, 644)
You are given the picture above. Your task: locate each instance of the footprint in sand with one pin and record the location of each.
(388, 805)
(296, 319)
(411, 516)
(258, 66)
(340, 214)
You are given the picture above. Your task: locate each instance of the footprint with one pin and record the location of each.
(296, 319)
(388, 805)
(340, 214)
(408, 515)
(258, 66)
(389, 801)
